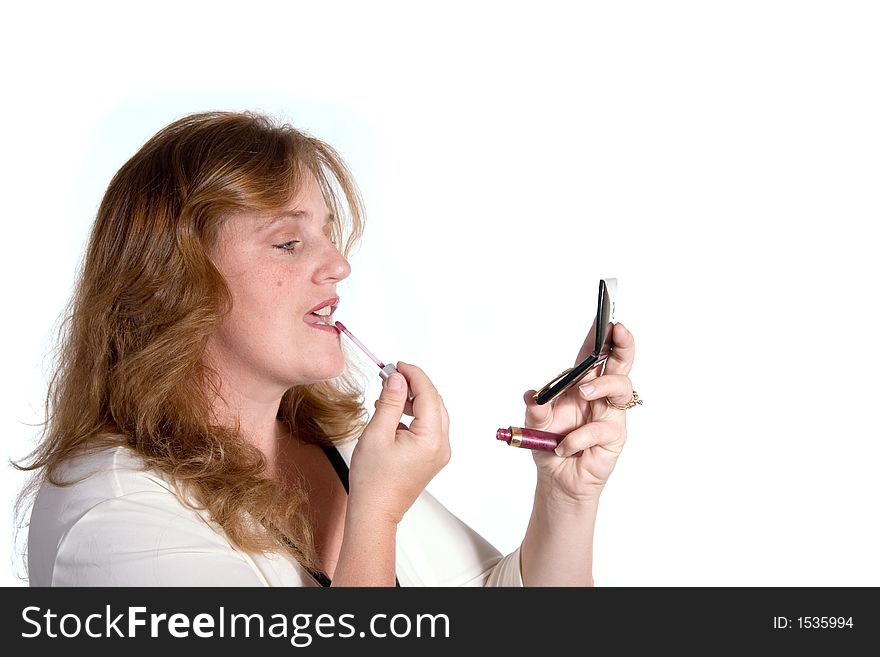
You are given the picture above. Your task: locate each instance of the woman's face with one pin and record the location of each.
(279, 266)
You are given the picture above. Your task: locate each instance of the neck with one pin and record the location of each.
(255, 417)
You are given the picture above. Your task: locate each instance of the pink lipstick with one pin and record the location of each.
(384, 370)
(543, 441)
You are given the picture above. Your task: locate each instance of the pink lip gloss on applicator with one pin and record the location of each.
(384, 370)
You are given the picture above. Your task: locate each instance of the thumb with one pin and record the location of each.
(537, 416)
(389, 406)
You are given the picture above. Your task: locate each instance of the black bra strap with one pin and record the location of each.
(323, 580)
(338, 463)
(341, 468)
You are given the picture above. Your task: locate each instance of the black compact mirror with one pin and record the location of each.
(603, 325)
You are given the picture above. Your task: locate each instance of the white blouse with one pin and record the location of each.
(123, 525)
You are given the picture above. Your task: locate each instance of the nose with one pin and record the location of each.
(333, 265)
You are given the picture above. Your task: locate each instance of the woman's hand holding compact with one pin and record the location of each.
(584, 414)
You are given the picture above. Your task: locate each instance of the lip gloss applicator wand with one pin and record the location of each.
(384, 370)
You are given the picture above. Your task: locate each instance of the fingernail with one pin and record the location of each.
(559, 451)
(394, 382)
(588, 390)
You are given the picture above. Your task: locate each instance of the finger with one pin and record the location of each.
(407, 407)
(389, 406)
(538, 416)
(623, 351)
(426, 400)
(444, 414)
(587, 436)
(615, 387)
(444, 417)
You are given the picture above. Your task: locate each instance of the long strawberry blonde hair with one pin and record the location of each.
(130, 367)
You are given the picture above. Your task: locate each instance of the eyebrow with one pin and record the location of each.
(295, 215)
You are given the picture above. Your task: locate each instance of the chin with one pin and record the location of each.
(327, 373)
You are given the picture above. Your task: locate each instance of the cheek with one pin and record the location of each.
(257, 293)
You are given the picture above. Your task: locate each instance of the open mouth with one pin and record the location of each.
(323, 314)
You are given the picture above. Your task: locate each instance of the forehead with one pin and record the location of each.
(307, 205)
(300, 215)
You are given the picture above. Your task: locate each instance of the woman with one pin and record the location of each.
(203, 428)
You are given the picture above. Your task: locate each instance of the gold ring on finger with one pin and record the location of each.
(635, 401)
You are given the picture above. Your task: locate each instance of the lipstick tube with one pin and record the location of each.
(526, 438)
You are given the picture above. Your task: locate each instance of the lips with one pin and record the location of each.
(311, 318)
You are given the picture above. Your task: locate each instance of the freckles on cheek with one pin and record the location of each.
(279, 283)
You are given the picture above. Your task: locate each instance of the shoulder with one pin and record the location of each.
(88, 480)
(116, 522)
(109, 472)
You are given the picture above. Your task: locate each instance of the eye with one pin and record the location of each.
(286, 246)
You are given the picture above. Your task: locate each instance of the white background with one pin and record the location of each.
(720, 159)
